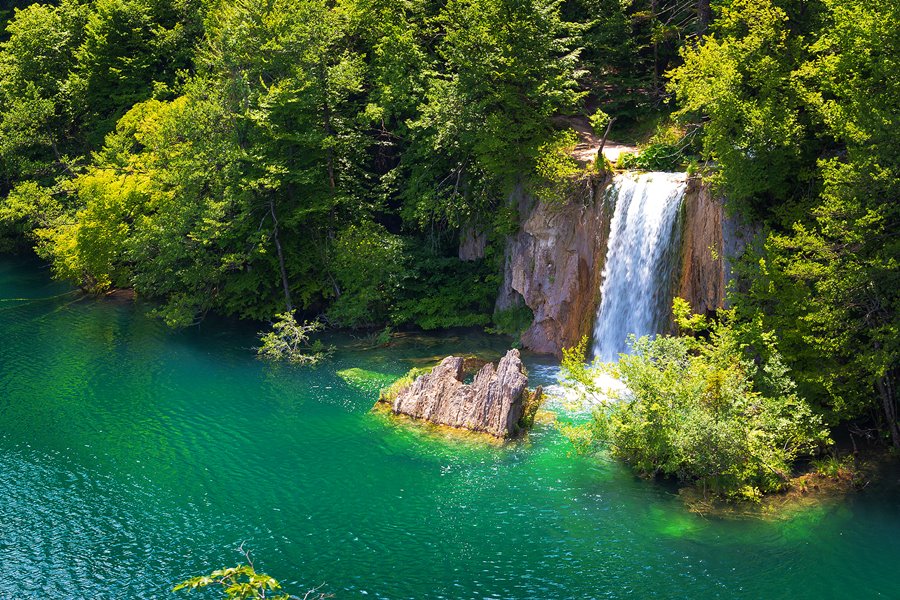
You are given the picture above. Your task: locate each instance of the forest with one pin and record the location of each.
(253, 157)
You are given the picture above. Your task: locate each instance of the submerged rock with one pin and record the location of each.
(493, 403)
(364, 379)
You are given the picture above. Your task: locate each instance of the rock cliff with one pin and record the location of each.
(493, 403)
(710, 241)
(554, 263)
(702, 281)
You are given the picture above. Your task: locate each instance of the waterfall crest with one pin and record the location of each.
(642, 253)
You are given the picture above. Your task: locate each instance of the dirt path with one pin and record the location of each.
(588, 142)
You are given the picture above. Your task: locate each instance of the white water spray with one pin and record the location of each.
(641, 256)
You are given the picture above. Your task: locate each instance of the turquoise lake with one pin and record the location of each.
(132, 457)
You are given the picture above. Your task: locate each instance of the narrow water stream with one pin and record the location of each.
(642, 254)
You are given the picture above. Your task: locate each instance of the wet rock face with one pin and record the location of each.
(493, 403)
(711, 241)
(702, 281)
(554, 264)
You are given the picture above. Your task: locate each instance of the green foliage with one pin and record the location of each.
(68, 71)
(599, 121)
(833, 466)
(555, 163)
(243, 583)
(798, 105)
(368, 265)
(717, 410)
(27, 208)
(504, 67)
(239, 583)
(555, 168)
(668, 149)
(290, 341)
(512, 321)
(653, 157)
(440, 292)
(741, 80)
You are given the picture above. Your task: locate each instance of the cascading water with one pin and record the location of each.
(641, 256)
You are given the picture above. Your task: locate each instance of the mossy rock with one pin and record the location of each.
(390, 392)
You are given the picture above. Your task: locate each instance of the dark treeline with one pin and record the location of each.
(254, 156)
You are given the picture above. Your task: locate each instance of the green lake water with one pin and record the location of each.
(132, 457)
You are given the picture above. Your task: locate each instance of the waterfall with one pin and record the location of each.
(636, 284)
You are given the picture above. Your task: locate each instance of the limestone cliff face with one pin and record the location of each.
(710, 241)
(554, 264)
(702, 281)
(493, 403)
(555, 261)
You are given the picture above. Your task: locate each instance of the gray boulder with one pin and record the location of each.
(493, 403)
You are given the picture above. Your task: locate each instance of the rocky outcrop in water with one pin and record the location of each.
(554, 263)
(493, 403)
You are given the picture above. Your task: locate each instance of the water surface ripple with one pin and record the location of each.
(132, 457)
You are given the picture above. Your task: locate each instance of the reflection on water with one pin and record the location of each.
(132, 457)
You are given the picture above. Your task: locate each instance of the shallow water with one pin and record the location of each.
(132, 457)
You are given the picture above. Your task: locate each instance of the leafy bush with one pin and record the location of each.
(668, 149)
(558, 173)
(833, 467)
(368, 264)
(438, 292)
(554, 162)
(244, 583)
(599, 120)
(654, 157)
(289, 340)
(705, 409)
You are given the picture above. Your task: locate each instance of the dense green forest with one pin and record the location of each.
(246, 157)
(252, 157)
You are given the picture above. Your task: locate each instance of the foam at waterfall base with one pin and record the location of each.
(569, 398)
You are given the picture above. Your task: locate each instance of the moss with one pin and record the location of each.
(532, 400)
(390, 393)
(364, 379)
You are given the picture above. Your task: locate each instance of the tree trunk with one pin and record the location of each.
(886, 390)
(603, 141)
(655, 49)
(326, 123)
(284, 278)
(704, 16)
